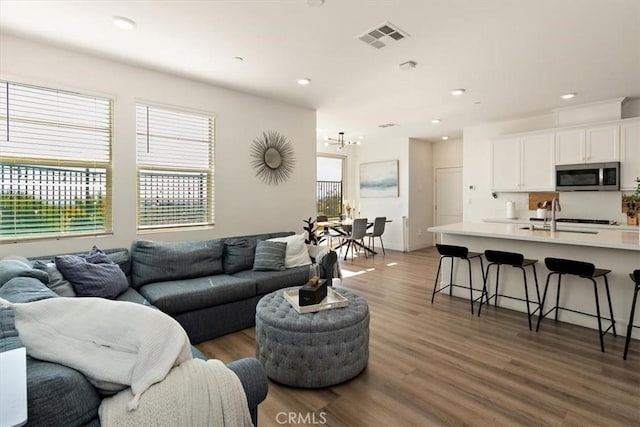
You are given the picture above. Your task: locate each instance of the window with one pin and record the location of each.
(55, 163)
(175, 168)
(329, 186)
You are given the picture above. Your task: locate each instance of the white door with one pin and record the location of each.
(505, 164)
(448, 196)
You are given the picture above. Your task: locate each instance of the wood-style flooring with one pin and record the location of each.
(436, 364)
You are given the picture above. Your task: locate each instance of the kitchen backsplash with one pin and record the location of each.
(575, 204)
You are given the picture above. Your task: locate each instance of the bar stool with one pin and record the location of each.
(584, 270)
(635, 276)
(461, 252)
(516, 260)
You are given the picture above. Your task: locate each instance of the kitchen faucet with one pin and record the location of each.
(555, 204)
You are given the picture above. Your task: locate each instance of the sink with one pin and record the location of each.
(564, 230)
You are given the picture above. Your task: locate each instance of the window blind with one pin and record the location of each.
(55, 162)
(175, 168)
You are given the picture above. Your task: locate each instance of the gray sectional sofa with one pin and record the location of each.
(208, 286)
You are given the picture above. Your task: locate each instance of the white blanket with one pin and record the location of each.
(196, 393)
(111, 342)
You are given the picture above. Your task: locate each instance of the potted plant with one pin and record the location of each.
(631, 207)
(311, 229)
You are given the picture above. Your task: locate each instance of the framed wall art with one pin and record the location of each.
(379, 179)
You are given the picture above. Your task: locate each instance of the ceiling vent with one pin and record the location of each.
(387, 125)
(383, 35)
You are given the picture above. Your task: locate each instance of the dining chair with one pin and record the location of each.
(358, 232)
(378, 229)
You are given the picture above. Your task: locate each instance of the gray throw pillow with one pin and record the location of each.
(101, 278)
(269, 256)
(57, 282)
(10, 268)
(238, 254)
(25, 289)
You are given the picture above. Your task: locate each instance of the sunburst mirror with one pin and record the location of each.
(273, 157)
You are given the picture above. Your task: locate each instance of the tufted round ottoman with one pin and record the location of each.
(313, 349)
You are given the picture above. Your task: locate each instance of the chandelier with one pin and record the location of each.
(339, 141)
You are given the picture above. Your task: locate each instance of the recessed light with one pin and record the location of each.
(361, 137)
(458, 92)
(315, 3)
(124, 23)
(304, 81)
(444, 138)
(435, 121)
(568, 95)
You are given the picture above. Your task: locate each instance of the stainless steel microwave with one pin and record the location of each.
(588, 177)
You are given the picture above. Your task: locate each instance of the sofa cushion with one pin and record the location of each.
(9, 339)
(297, 254)
(10, 268)
(57, 282)
(93, 276)
(239, 254)
(179, 296)
(25, 289)
(164, 261)
(131, 295)
(58, 395)
(269, 281)
(269, 256)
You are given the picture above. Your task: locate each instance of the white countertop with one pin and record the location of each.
(604, 238)
(526, 221)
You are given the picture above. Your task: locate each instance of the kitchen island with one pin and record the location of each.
(615, 250)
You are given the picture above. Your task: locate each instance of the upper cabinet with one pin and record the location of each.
(629, 154)
(593, 144)
(523, 163)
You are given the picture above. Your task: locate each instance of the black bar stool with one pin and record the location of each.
(461, 252)
(585, 270)
(635, 276)
(516, 260)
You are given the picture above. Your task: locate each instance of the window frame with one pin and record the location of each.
(55, 162)
(210, 171)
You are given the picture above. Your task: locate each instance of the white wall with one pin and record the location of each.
(243, 203)
(420, 194)
(447, 154)
(394, 208)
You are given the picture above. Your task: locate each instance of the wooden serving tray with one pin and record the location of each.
(332, 300)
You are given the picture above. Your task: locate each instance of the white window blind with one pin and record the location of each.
(55, 162)
(175, 168)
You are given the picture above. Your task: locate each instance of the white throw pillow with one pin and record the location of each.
(297, 254)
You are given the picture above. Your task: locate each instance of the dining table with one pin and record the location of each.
(342, 227)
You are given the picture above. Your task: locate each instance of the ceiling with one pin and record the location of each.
(513, 57)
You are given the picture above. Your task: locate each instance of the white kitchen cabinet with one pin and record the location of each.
(505, 164)
(537, 162)
(523, 163)
(593, 144)
(629, 154)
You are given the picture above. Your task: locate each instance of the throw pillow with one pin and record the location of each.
(101, 278)
(297, 253)
(25, 289)
(269, 256)
(57, 282)
(238, 254)
(10, 268)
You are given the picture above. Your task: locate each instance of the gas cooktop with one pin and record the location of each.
(578, 220)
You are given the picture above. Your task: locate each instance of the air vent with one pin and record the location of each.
(387, 125)
(383, 35)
